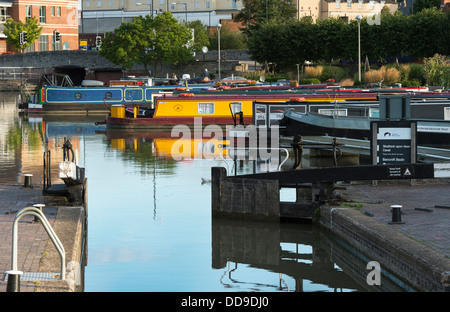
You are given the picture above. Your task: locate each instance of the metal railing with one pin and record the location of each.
(51, 233)
(20, 73)
(235, 157)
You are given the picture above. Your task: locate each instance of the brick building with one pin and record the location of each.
(61, 16)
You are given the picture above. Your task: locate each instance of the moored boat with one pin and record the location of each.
(186, 107)
(435, 132)
(94, 96)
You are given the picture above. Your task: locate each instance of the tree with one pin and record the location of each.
(150, 42)
(13, 29)
(201, 38)
(258, 11)
(419, 5)
(229, 39)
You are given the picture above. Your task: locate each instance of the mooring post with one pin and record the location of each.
(297, 145)
(217, 174)
(13, 284)
(396, 214)
(27, 180)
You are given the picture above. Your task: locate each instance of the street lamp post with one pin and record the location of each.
(218, 39)
(185, 8)
(150, 6)
(358, 19)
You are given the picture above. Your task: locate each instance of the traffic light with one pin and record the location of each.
(23, 37)
(98, 41)
(57, 36)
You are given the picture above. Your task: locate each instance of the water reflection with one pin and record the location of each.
(293, 251)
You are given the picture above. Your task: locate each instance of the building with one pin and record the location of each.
(349, 9)
(60, 16)
(101, 16)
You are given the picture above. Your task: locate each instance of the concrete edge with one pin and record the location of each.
(397, 253)
(69, 227)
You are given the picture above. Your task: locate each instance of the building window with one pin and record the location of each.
(28, 11)
(43, 43)
(349, 3)
(42, 13)
(338, 4)
(371, 4)
(58, 11)
(172, 6)
(87, 4)
(197, 5)
(208, 5)
(3, 14)
(360, 4)
(52, 11)
(99, 4)
(161, 2)
(206, 108)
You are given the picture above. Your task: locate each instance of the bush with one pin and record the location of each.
(333, 72)
(391, 75)
(384, 74)
(347, 82)
(313, 71)
(437, 70)
(417, 72)
(408, 83)
(404, 70)
(373, 76)
(309, 81)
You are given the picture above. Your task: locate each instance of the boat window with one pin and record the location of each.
(333, 112)
(374, 112)
(205, 108)
(205, 148)
(236, 107)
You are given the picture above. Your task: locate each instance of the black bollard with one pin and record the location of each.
(13, 281)
(40, 207)
(396, 214)
(27, 180)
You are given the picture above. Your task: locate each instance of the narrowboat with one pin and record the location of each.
(432, 118)
(95, 96)
(187, 108)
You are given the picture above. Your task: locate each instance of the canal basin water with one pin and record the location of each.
(149, 218)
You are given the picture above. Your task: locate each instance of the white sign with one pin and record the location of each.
(394, 134)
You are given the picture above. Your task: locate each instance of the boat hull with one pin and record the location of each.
(141, 123)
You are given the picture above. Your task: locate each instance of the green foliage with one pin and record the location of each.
(437, 70)
(257, 11)
(294, 42)
(333, 72)
(12, 30)
(229, 39)
(309, 81)
(150, 42)
(201, 38)
(420, 5)
(417, 73)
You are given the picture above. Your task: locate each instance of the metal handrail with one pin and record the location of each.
(51, 233)
(253, 148)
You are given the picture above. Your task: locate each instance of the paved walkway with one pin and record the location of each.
(32, 237)
(423, 220)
